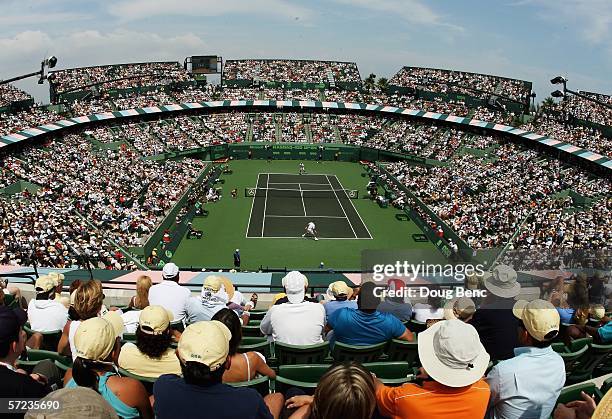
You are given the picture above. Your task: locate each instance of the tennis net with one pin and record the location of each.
(301, 193)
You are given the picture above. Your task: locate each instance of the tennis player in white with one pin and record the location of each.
(302, 169)
(311, 230)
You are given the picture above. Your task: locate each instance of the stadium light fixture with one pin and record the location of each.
(558, 80)
(557, 94)
(45, 64)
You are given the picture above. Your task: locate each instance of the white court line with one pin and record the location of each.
(302, 196)
(320, 238)
(303, 216)
(340, 203)
(263, 223)
(295, 183)
(251, 213)
(359, 215)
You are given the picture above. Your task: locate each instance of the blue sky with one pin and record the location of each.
(527, 39)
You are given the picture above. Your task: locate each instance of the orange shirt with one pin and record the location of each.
(433, 401)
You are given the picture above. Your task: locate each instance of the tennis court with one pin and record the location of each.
(283, 204)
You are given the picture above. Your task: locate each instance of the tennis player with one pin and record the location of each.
(311, 231)
(302, 169)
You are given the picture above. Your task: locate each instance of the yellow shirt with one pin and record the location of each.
(134, 361)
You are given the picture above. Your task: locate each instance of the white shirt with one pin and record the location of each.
(47, 315)
(130, 320)
(171, 296)
(74, 325)
(311, 226)
(295, 324)
(424, 312)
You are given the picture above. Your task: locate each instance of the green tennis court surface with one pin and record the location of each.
(283, 204)
(238, 223)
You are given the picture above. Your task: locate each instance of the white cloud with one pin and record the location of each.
(40, 18)
(413, 11)
(591, 19)
(139, 9)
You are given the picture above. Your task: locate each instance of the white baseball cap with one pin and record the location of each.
(170, 270)
(295, 284)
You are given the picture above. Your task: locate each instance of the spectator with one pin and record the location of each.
(341, 294)
(344, 391)
(59, 288)
(152, 354)
(137, 303)
(243, 366)
(494, 321)
(97, 348)
(366, 325)
(454, 362)
(461, 308)
(400, 307)
(76, 403)
(213, 298)
(203, 352)
(585, 408)
(88, 303)
(237, 259)
(14, 382)
(45, 313)
(169, 294)
(528, 385)
(430, 310)
(297, 322)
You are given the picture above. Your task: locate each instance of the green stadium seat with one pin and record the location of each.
(573, 359)
(34, 356)
(254, 322)
(576, 344)
(401, 350)
(295, 354)
(261, 384)
(304, 377)
(392, 373)
(251, 340)
(146, 381)
(251, 331)
(606, 386)
(588, 362)
(261, 347)
(10, 301)
(342, 352)
(572, 393)
(257, 315)
(129, 337)
(50, 339)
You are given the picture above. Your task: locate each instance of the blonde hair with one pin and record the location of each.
(143, 283)
(346, 390)
(88, 299)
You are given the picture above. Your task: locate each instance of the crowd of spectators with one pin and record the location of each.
(11, 122)
(10, 94)
(517, 187)
(555, 126)
(123, 196)
(478, 358)
(473, 84)
(573, 106)
(120, 76)
(291, 71)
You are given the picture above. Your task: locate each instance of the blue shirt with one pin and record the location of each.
(566, 314)
(354, 327)
(122, 409)
(174, 398)
(605, 333)
(332, 306)
(526, 386)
